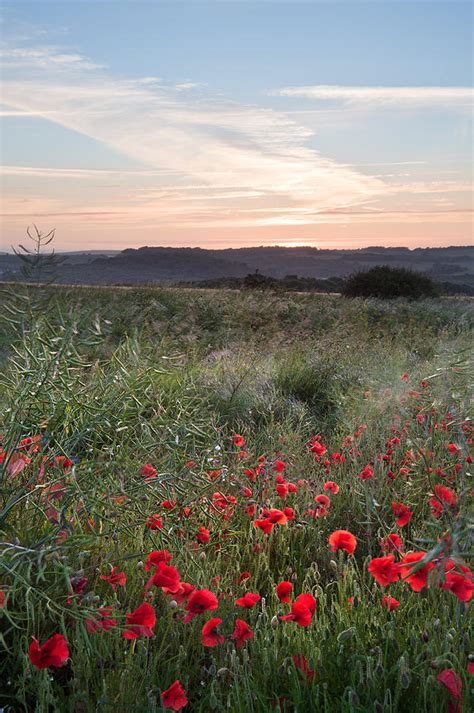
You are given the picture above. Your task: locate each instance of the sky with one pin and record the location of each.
(236, 123)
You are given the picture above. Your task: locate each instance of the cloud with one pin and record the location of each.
(445, 96)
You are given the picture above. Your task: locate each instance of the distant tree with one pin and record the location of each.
(389, 282)
(256, 281)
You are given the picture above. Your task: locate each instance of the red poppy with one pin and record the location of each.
(300, 662)
(102, 622)
(323, 500)
(140, 622)
(265, 525)
(289, 513)
(203, 536)
(238, 440)
(458, 581)
(115, 579)
(277, 517)
(165, 576)
(447, 496)
(402, 513)
(148, 472)
(283, 590)
(243, 576)
(416, 579)
(248, 601)
(154, 559)
(54, 652)
(174, 697)
(392, 542)
(367, 473)
(343, 540)
(302, 610)
(332, 487)
(154, 522)
(384, 569)
(241, 633)
(181, 594)
(201, 600)
(453, 448)
(450, 680)
(390, 603)
(282, 490)
(405, 377)
(209, 634)
(436, 507)
(279, 466)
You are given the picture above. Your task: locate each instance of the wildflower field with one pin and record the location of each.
(234, 501)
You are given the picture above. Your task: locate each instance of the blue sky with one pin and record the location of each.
(235, 123)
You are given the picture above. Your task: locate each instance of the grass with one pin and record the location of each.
(115, 379)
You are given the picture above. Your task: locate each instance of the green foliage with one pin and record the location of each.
(386, 282)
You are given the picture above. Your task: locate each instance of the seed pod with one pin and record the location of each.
(274, 622)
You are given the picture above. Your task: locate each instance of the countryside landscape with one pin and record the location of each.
(236, 358)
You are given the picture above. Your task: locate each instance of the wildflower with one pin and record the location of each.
(447, 496)
(165, 576)
(453, 448)
(154, 559)
(3, 600)
(201, 600)
(390, 603)
(331, 486)
(115, 579)
(54, 652)
(392, 542)
(103, 623)
(181, 594)
(174, 697)
(405, 377)
(302, 610)
(209, 633)
(402, 513)
(248, 601)
(436, 507)
(289, 513)
(148, 472)
(416, 579)
(279, 466)
(203, 536)
(323, 500)
(243, 576)
(452, 682)
(343, 540)
(458, 581)
(384, 569)
(300, 662)
(154, 522)
(367, 473)
(241, 633)
(140, 622)
(238, 440)
(265, 525)
(283, 590)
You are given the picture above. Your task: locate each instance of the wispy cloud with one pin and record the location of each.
(381, 95)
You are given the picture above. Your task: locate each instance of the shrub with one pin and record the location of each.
(388, 282)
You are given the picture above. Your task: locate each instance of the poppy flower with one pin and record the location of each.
(367, 473)
(148, 472)
(102, 622)
(384, 569)
(238, 440)
(209, 634)
(241, 633)
(451, 681)
(331, 486)
(453, 448)
(203, 536)
(392, 542)
(302, 610)
(54, 652)
(343, 540)
(243, 576)
(458, 581)
(165, 576)
(447, 496)
(283, 590)
(115, 579)
(154, 559)
(201, 600)
(248, 601)
(277, 517)
(318, 448)
(300, 662)
(416, 579)
(279, 466)
(323, 500)
(140, 622)
(289, 513)
(402, 513)
(282, 490)
(265, 525)
(154, 522)
(436, 507)
(181, 594)
(174, 697)
(390, 603)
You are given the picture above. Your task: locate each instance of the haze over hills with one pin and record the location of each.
(147, 265)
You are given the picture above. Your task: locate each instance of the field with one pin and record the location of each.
(178, 451)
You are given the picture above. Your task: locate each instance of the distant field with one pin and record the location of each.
(230, 434)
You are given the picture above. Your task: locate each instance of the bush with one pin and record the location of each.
(388, 282)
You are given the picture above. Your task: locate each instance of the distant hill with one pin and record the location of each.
(453, 265)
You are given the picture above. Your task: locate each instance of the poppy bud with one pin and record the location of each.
(294, 577)
(140, 565)
(437, 624)
(425, 636)
(222, 672)
(202, 555)
(274, 622)
(333, 565)
(173, 604)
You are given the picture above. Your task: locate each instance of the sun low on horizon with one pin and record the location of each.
(237, 123)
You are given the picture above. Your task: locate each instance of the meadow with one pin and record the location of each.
(234, 501)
